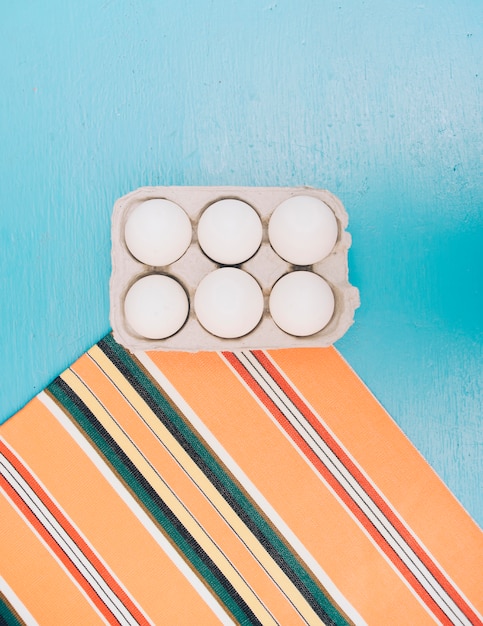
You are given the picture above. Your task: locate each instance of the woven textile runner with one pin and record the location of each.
(248, 488)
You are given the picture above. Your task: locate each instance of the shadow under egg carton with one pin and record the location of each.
(266, 266)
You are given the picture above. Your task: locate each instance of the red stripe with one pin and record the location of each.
(16, 499)
(74, 535)
(411, 541)
(337, 487)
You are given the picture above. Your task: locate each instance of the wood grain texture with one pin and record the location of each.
(380, 103)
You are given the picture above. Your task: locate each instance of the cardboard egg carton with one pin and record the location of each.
(265, 266)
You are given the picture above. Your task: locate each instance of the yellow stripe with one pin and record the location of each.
(198, 533)
(202, 482)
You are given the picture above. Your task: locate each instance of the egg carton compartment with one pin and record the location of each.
(265, 266)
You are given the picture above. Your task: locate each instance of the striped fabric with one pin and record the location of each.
(247, 488)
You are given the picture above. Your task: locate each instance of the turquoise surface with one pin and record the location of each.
(380, 102)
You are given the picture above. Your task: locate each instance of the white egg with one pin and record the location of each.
(229, 231)
(158, 232)
(301, 303)
(156, 306)
(303, 230)
(228, 302)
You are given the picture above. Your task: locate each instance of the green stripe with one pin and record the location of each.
(142, 380)
(142, 494)
(8, 615)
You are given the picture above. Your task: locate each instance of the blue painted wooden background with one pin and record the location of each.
(377, 101)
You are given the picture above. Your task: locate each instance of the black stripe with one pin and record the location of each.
(242, 513)
(180, 465)
(147, 495)
(8, 615)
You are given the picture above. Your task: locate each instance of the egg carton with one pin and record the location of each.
(266, 266)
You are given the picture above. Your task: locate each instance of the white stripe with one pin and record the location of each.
(16, 603)
(335, 466)
(53, 555)
(369, 479)
(329, 487)
(135, 508)
(352, 487)
(247, 484)
(79, 532)
(66, 544)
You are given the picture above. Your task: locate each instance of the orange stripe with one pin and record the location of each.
(107, 522)
(337, 487)
(374, 495)
(73, 534)
(361, 574)
(37, 578)
(391, 461)
(182, 485)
